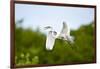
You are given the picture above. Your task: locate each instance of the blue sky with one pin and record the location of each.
(41, 15)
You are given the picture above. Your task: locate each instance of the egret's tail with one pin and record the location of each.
(72, 39)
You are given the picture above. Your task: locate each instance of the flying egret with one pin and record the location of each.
(65, 34)
(53, 35)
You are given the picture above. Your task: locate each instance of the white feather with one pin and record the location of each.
(50, 40)
(65, 29)
(65, 33)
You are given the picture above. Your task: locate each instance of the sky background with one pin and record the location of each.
(41, 16)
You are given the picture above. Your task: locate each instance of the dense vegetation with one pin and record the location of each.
(30, 47)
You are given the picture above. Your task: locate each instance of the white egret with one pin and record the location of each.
(53, 35)
(65, 33)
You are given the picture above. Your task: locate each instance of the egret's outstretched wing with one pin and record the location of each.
(65, 29)
(50, 41)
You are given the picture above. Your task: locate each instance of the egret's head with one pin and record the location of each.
(48, 28)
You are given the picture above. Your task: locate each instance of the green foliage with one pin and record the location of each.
(30, 47)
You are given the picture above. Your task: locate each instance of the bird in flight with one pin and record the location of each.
(53, 35)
